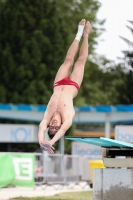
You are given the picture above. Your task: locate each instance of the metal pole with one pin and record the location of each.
(107, 125)
(45, 155)
(62, 164)
(61, 145)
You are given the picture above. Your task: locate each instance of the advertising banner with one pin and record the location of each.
(124, 133)
(88, 150)
(24, 133)
(17, 169)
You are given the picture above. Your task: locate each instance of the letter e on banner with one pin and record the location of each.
(23, 168)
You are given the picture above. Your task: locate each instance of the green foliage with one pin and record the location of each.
(126, 90)
(34, 39)
(102, 82)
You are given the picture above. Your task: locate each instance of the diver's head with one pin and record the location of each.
(54, 125)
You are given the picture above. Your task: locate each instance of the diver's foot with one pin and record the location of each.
(80, 29)
(87, 29)
(82, 22)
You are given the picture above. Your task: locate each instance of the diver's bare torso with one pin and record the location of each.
(62, 102)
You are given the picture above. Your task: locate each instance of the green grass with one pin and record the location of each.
(62, 196)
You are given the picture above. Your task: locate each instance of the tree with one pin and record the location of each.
(106, 82)
(101, 85)
(126, 91)
(34, 39)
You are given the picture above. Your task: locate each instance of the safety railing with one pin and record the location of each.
(56, 169)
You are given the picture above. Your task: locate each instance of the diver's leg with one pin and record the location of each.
(65, 68)
(78, 71)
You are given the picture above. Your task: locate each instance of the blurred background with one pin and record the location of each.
(34, 38)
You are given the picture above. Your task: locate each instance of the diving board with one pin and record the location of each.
(100, 141)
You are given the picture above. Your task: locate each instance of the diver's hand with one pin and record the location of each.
(47, 146)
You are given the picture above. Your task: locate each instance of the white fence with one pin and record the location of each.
(56, 168)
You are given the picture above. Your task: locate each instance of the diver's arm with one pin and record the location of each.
(42, 128)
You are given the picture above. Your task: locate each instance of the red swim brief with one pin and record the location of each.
(66, 81)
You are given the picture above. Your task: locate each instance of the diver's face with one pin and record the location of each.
(54, 129)
(55, 124)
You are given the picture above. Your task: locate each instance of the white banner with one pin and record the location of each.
(18, 133)
(124, 133)
(87, 150)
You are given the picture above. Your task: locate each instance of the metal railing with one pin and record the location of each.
(56, 169)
